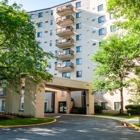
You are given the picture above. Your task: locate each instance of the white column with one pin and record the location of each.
(89, 102)
(68, 101)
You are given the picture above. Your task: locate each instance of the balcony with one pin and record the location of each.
(66, 54)
(65, 67)
(64, 21)
(66, 42)
(66, 31)
(65, 10)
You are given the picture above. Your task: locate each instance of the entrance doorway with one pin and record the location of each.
(62, 107)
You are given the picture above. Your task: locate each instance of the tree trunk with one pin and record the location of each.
(121, 95)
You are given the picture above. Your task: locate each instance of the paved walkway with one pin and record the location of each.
(118, 118)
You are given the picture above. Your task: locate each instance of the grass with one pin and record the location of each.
(120, 116)
(24, 121)
(138, 125)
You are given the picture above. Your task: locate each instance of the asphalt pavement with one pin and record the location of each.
(73, 128)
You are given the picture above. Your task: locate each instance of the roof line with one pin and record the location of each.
(50, 7)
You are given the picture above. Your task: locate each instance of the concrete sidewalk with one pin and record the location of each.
(118, 118)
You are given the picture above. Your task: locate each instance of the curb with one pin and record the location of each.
(40, 124)
(125, 123)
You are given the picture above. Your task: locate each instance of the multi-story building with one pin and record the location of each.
(72, 32)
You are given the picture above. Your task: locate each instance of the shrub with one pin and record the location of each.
(97, 108)
(133, 109)
(81, 110)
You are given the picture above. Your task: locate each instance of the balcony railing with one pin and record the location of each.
(64, 21)
(65, 31)
(66, 42)
(64, 67)
(66, 54)
(65, 10)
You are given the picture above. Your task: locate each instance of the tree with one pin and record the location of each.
(20, 55)
(114, 63)
(128, 10)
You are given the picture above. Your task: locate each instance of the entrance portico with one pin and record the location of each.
(34, 97)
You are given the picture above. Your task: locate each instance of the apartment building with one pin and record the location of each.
(72, 32)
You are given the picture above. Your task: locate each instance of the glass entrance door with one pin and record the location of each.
(62, 107)
(3, 105)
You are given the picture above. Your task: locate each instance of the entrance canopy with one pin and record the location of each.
(34, 97)
(68, 84)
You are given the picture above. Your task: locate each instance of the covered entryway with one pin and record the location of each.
(34, 97)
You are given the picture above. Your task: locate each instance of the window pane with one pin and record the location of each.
(78, 4)
(32, 16)
(104, 105)
(79, 61)
(101, 19)
(40, 24)
(78, 26)
(40, 15)
(79, 74)
(100, 7)
(79, 49)
(102, 31)
(78, 15)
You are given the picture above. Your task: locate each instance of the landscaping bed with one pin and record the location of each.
(16, 119)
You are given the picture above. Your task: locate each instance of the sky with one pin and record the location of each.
(30, 5)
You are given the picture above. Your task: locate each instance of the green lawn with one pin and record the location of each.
(138, 125)
(24, 121)
(121, 116)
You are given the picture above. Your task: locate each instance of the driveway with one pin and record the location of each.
(73, 128)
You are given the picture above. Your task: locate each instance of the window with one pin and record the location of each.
(40, 24)
(32, 16)
(104, 106)
(102, 31)
(51, 12)
(79, 37)
(78, 73)
(117, 105)
(78, 26)
(40, 15)
(39, 34)
(79, 61)
(39, 44)
(94, 44)
(93, 19)
(113, 28)
(78, 15)
(50, 65)
(66, 75)
(78, 4)
(22, 100)
(93, 32)
(51, 22)
(46, 31)
(101, 19)
(51, 32)
(50, 42)
(100, 7)
(79, 49)
(46, 21)
(111, 15)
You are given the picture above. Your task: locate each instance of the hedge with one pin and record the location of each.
(132, 109)
(97, 108)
